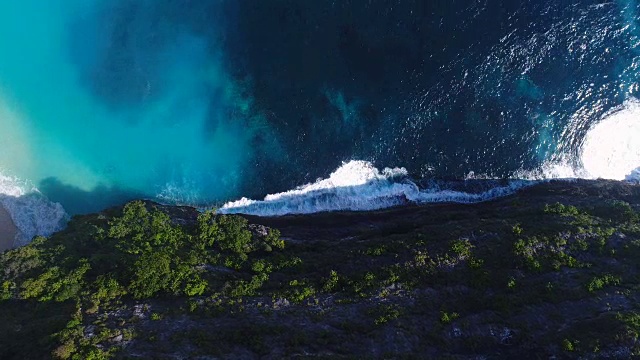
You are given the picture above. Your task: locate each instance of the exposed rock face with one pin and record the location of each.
(8, 230)
(548, 272)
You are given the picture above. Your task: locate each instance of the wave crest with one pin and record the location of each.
(359, 186)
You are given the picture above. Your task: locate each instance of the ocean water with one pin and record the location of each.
(205, 102)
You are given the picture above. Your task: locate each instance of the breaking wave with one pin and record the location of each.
(359, 186)
(609, 150)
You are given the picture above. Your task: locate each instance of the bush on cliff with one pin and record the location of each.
(139, 253)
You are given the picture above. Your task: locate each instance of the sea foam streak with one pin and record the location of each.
(359, 186)
(32, 213)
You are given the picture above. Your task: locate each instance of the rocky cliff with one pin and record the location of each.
(551, 271)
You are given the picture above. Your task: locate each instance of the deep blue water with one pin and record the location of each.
(202, 101)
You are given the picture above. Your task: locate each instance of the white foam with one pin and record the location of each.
(32, 213)
(611, 149)
(358, 186)
(550, 170)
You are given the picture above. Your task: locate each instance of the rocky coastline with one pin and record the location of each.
(549, 272)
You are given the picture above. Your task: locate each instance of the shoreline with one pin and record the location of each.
(8, 230)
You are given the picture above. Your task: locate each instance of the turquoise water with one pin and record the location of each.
(86, 152)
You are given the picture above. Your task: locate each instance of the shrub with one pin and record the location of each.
(599, 282)
(233, 234)
(462, 248)
(142, 231)
(332, 282)
(447, 318)
(273, 239)
(195, 286)
(385, 313)
(299, 291)
(6, 290)
(567, 345)
(55, 284)
(249, 288)
(517, 229)
(561, 209)
(152, 274)
(208, 230)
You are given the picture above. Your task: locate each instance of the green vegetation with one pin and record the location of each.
(599, 282)
(138, 254)
(447, 318)
(567, 345)
(384, 313)
(536, 275)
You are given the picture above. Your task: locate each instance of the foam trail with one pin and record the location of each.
(359, 186)
(32, 213)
